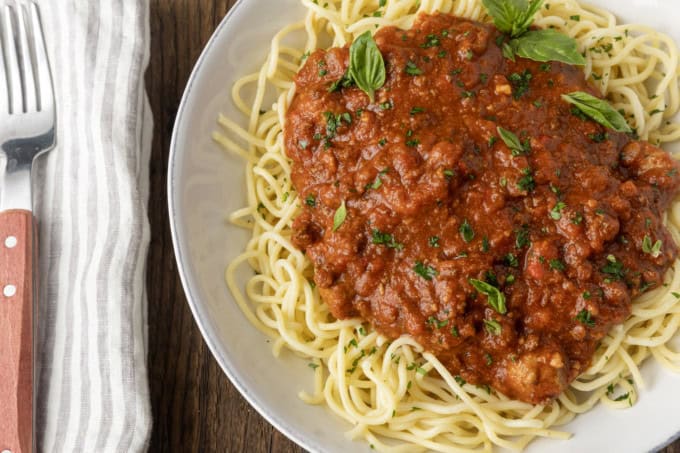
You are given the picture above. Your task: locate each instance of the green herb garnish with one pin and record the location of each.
(412, 69)
(466, 231)
(522, 238)
(514, 17)
(437, 324)
(547, 45)
(526, 183)
(427, 272)
(310, 200)
(598, 110)
(380, 238)
(557, 265)
(614, 268)
(511, 141)
(652, 249)
(492, 326)
(520, 83)
(339, 217)
(366, 65)
(495, 297)
(585, 318)
(556, 212)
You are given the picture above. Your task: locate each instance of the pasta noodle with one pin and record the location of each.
(396, 396)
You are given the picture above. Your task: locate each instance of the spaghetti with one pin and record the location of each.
(397, 396)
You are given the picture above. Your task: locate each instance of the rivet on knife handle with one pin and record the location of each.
(16, 331)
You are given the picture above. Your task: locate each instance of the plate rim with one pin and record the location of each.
(182, 269)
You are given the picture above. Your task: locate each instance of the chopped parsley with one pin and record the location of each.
(339, 217)
(433, 241)
(585, 318)
(437, 324)
(622, 397)
(334, 121)
(380, 238)
(599, 137)
(310, 200)
(652, 249)
(522, 238)
(485, 244)
(342, 82)
(412, 69)
(492, 326)
(427, 272)
(520, 83)
(511, 260)
(432, 41)
(557, 265)
(466, 231)
(378, 181)
(526, 183)
(496, 298)
(416, 110)
(556, 212)
(613, 268)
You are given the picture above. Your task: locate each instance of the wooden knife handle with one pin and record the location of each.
(17, 249)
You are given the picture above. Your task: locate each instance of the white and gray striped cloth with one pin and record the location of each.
(91, 194)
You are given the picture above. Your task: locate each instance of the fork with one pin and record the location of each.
(27, 130)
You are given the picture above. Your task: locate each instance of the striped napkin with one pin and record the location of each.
(90, 198)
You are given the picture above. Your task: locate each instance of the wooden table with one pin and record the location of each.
(195, 407)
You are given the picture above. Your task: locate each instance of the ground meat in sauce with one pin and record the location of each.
(434, 198)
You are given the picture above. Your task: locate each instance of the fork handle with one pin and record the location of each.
(17, 249)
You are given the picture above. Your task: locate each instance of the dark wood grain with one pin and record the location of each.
(195, 407)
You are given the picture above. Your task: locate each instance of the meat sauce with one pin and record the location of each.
(435, 198)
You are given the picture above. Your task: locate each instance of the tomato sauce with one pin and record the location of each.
(568, 228)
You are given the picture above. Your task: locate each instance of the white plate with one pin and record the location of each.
(204, 185)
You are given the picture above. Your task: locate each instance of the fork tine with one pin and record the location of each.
(12, 65)
(42, 64)
(4, 87)
(30, 101)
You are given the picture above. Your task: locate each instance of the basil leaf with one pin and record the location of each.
(598, 109)
(547, 45)
(492, 326)
(495, 296)
(512, 16)
(527, 17)
(502, 12)
(366, 64)
(511, 140)
(339, 217)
